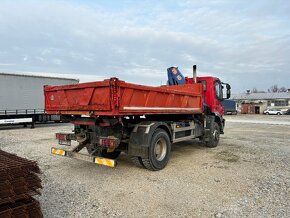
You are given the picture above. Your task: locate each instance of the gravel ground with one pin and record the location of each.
(247, 175)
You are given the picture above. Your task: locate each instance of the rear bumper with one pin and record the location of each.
(84, 157)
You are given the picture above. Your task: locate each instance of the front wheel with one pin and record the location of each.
(214, 136)
(158, 151)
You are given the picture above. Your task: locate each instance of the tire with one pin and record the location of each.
(158, 152)
(267, 113)
(279, 113)
(110, 155)
(138, 162)
(214, 136)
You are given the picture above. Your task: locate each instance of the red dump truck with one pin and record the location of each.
(113, 116)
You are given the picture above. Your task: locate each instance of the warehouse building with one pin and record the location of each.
(256, 103)
(22, 98)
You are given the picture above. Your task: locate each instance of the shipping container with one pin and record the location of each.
(230, 106)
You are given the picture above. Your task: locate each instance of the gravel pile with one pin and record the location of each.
(247, 175)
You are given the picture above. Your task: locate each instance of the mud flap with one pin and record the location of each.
(208, 127)
(141, 136)
(139, 143)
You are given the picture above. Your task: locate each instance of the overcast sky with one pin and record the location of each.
(245, 43)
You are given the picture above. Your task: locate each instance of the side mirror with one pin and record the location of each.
(228, 91)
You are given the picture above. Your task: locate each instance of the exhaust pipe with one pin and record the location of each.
(194, 73)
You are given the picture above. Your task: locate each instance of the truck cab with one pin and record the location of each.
(213, 93)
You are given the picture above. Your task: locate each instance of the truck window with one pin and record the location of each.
(219, 92)
(204, 84)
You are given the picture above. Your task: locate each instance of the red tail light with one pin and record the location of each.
(61, 136)
(109, 142)
(64, 138)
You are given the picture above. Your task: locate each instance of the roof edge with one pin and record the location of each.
(37, 76)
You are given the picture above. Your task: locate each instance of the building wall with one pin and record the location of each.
(253, 108)
(278, 103)
(263, 107)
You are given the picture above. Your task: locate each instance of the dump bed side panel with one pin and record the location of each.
(167, 99)
(114, 97)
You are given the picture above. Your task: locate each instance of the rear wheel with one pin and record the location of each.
(214, 136)
(279, 113)
(158, 151)
(138, 162)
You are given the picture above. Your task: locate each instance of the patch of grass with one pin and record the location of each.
(227, 156)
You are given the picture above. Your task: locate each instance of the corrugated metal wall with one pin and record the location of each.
(25, 92)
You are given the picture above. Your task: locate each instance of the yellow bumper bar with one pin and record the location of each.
(84, 157)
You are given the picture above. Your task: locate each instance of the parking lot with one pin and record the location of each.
(248, 174)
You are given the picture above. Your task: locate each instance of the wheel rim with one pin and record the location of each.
(216, 135)
(160, 149)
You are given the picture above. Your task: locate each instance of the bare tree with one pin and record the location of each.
(282, 89)
(275, 88)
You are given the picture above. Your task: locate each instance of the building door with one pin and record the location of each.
(257, 110)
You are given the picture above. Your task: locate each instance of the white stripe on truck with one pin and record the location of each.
(12, 121)
(161, 108)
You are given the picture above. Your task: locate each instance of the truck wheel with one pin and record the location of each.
(214, 136)
(110, 155)
(158, 151)
(138, 162)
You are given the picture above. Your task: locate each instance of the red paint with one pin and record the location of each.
(117, 98)
(210, 95)
(83, 122)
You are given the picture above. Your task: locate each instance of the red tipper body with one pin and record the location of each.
(114, 97)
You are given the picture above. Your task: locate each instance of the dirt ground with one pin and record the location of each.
(247, 175)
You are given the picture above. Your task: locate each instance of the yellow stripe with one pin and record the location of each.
(58, 152)
(99, 161)
(109, 163)
(104, 161)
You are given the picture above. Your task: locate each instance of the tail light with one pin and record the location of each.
(64, 138)
(109, 142)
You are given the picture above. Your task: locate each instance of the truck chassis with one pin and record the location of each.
(147, 140)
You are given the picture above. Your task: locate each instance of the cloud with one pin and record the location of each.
(245, 44)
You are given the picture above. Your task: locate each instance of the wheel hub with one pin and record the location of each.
(215, 135)
(160, 149)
